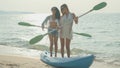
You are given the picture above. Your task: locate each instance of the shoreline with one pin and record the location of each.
(7, 61)
(22, 59)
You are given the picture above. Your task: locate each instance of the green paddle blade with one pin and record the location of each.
(100, 6)
(83, 34)
(36, 39)
(25, 24)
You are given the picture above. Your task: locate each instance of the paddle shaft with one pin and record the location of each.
(97, 7)
(78, 17)
(85, 13)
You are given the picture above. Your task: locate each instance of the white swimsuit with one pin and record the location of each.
(50, 19)
(66, 23)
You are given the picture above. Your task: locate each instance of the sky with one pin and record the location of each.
(44, 6)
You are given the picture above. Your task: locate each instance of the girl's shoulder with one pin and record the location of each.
(73, 14)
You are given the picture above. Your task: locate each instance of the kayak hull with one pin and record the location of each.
(73, 62)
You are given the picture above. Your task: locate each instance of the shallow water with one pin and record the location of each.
(104, 28)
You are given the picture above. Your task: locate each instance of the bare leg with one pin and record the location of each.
(68, 47)
(51, 44)
(62, 46)
(56, 45)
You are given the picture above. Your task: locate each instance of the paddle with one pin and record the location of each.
(96, 7)
(40, 37)
(28, 24)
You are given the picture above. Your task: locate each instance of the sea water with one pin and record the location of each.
(104, 28)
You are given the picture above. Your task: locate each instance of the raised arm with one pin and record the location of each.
(75, 18)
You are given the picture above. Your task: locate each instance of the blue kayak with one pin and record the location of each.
(73, 62)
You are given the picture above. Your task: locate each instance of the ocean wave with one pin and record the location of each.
(109, 61)
(17, 42)
(74, 51)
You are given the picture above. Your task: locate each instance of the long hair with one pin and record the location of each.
(57, 14)
(64, 6)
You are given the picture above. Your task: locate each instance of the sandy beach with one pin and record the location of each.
(20, 62)
(9, 60)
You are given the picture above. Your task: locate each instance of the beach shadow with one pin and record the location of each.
(1, 65)
(13, 65)
(9, 65)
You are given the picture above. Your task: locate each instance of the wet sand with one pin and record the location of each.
(20, 60)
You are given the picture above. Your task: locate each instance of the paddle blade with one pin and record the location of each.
(83, 34)
(100, 6)
(36, 39)
(25, 24)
